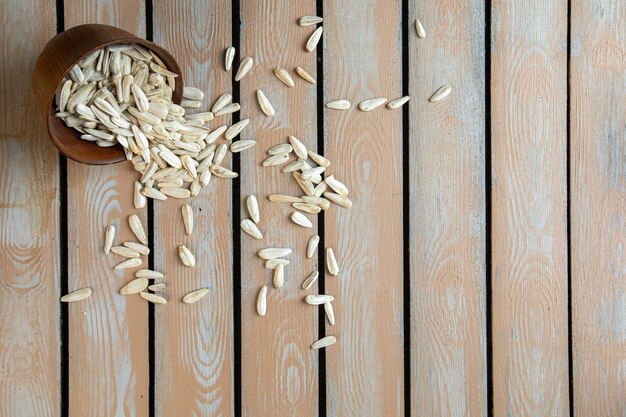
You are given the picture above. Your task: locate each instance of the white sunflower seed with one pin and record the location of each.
(242, 145)
(193, 93)
(371, 104)
(109, 235)
(212, 137)
(336, 185)
(176, 192)
(187, 213)
(306, 185)
(307, 208)
(300, 219)
(134, 286)
(148, 273)
(330, 313)
(220, 153)
(77, 295)
(244, 67)
(253, 208)
(76, 74)
(140, 98)
(280, 198)
(331, 262)
(312, 246)
(338, 199)
(221, 102)
(310, 280)
(137, 228)
(261, 302)
(157, 287)
(397, 103)
(318, 299)
(129, 263)
(125, 252)
(190, 104)
(318, 201)
(338, 105)
(419, 29)
(153, 193)
(264, 103)
(298, 147)
(272, 263)
(186, 256)
(309, 20)
(314, 39)
(222, 172)
(297, 165)
(272, 253)
(251, 229)
(149, 172)
(236, 129)
(280, 149)
(194, 296)
(64, 95)
(279, 276)
(275, 160)
(305, 75)
(142, 249)
(441, 93)
(139, 199)
(153, 298)
(324, 342)
(284, 76)
(313, 174)
(231, 108)
(228, 58)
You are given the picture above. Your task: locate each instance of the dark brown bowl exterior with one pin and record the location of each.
(63, 52)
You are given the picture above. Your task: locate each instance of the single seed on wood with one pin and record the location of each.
(142, 249)
(338, 105)
(244, 68)
(189, 165)
(419, 29)
(305, 75)
(192, 93)
(125, 252)
(157, 287)
(280, 149)
(324, 342)
(272, 253)
(220, 153)
(307, 208)
(222, 172)
(312, 246)
(153, 193)
(187, 213)
(149, 172)
(441, 93)
(309, 20)
(310, 280)
(148, 273)
(279, 276)
(139, 200)
(77, 295)
(190, 104)
(271, 263)
(206, 116)
(300, 164)
(221, 102)
(300, 219)
(194, 296)
(228, 58)
(338, 199)
(236, 129)
(253, 208)
(318, 201)
(331, 262)
(280, 198)
(371, 104)
(336, 185)
(251, 229)
(284, 76)
(397, 103)
(261, 302)
(314, 39)
(298, 147)
(134, 286)
(153, 298)
(319, 159)
(264, 103)
(318, 299)
(212, 137)
(330, 313)
(176, 192)
(109, 235)
(313, 174)
(137, 228)
(306, 185)
(231, 108)
(186, 256)
(276, 160)
(242, 145)
(129, 263)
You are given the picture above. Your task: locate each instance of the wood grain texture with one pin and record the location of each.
(194, 343)
(29, 224)
(362, 60)
(447, 203)
(529, 245)
(279, 371)
(108, 334)
(598, 206)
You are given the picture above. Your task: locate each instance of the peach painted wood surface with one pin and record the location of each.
(194, 343)
(108, 334)
(598, 206)
(447, 242)
(528, 202)
(279, 369)
(362, 60)
(30, 362)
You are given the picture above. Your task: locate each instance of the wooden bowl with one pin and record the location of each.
(62, 53)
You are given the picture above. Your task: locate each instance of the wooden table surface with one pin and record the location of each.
(483, 263)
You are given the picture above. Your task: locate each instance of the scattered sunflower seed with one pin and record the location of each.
(242, 145)
(264, 103)
(309, 20)
(338, 105)
(142, 249)
(284, 76)
(330, 313)
(272, 253)
(271, 263)
(280, 198)
(157, 287)
(276, 160)
(134, 286)
(236, 129)
(324, 342)
(397, 103)
(419, 29)
(261, 302)
(109, 235)
(280, 149)
(228, 58)
(77, 295)
(251, 229)
(253, 208)
(221, 102)
(125, 252)
(153, 298)
(305, 75)
(312, 246)
(307, 208)
(319, 159)
(139, 200)
(129, 263)
(193, 93)
(331, 262)
(148, 273)
(194, 296)
(441, 93)
(137, 228)
(371, 104)
(300, 219)
(298, 147)
(314, 39)
(318, 299)
(186, 256)
(338, 199)
(337, 185)
(244, 68)
(187, 213)
(279, 276)
(310, 280)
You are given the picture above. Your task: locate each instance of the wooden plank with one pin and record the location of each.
(529, 245)
(279, 371)
(108, 334)
(598, 206)
(194, 343)
(362, 60)
(29, 224)
(447, 211)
